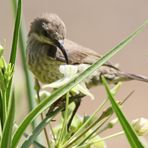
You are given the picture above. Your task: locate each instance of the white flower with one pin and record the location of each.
(43, 94)
(141, 126)
(69, 72)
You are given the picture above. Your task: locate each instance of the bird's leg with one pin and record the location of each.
(37, 88)
(77, 104)
(60, 102)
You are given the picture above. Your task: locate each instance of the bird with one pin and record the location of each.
(48, 48)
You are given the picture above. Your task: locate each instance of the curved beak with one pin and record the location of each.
(61, 47)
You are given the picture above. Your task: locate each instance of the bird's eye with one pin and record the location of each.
(45, 33)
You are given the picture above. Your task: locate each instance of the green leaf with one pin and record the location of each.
(3, 64)
(1, 110)
(1, 50)
(8, 73)
(3, 67)
(28, 78)
(38, 145)
(130, 134)
(8, 126)
(30, 140)
(61, 91)
(14, 45)
(16, 33)
(2, 81)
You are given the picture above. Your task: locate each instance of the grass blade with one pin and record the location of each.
(14, 44)
(31, 139)
(28, 79)
(8, 126)
(61, 91)
(16, 34)
(1, 110)
(130, 134)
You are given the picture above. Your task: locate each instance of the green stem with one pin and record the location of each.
(114, 91)
(103, 139)
(52, 132)
(63, 132)
(84, 132)
(1, 112)
(94, 131)
(78, 133)
(5, 107)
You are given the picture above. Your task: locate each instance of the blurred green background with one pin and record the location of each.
(99, 25)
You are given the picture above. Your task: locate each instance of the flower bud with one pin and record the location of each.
(1, 50)
(112, 123)
(141, 126)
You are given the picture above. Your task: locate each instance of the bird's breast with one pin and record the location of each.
(45, 68)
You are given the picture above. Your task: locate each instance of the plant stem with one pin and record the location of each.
(94, 131)
(103, 139)
(63, 132)
(78, 133)
(52, 132)
(114, 91)
(37, 88)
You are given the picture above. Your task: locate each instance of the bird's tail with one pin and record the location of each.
(114, 77)
(122, 76)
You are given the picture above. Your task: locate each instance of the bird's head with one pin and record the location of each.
(49, 29)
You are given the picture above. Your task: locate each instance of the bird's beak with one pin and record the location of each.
(61, 47)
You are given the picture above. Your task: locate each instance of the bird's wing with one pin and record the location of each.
(78, 54)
